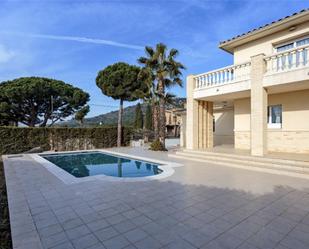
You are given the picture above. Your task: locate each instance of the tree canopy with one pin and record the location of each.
(81, 114)
(39, 101)
(124, 81)
(166, 72)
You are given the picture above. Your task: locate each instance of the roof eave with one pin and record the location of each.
(229, 46)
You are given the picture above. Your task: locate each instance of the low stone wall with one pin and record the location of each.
(242, 140)
(277, 141)
(17, 140)
(288, 141)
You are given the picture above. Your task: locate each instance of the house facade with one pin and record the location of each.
(261, 102)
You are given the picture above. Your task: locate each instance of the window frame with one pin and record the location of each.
(271, 125)
(288, 42)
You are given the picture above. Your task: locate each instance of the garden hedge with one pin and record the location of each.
(20, 139)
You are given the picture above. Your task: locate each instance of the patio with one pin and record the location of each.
(199, 206)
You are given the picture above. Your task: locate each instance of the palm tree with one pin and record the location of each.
(166, 72)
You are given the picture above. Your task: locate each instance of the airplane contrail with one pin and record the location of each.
(77, 39)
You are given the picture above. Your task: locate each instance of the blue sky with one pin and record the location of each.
(71, 40)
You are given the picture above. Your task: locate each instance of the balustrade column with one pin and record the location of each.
(279, 59)
(293, 60)
(306, 55)
(301, 57)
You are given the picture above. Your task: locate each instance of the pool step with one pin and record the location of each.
(278, 166)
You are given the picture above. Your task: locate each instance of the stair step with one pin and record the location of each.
(245, 161)
(249, 157)
(269, 169)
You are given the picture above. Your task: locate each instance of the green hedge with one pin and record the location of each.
(17, 139)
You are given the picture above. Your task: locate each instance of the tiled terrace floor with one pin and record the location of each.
(200, 206)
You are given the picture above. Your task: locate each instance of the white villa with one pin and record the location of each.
(261, 102)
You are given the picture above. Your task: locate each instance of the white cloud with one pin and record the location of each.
(5, 54)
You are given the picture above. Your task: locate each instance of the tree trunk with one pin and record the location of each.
(161, 113)
(155, 120)
(119, 136)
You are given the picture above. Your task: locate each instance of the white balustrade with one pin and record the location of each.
(222, 76)
(288, 60)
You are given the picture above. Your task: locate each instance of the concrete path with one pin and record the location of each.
(199, 206)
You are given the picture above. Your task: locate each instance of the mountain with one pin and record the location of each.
(111, 118)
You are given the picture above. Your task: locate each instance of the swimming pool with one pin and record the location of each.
(82, 164)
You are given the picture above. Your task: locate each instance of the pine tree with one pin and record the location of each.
(138, 123)
(148, 118)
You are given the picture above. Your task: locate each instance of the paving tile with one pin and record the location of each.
(71, 223)
(117, 242)
(87, 218)
(106, 233)
(115, 219)
(131, 213)
(65, 245)
(77, 232)
(292, 243)
(300, 235)
(97, 225)
(246, 245)
(124, 226)
(135, 235)
(85, 241)
(197, 239)
(54, 240)
(244, 230)
(141, 220)
(179, 244)
(281, 225)
(148, 243)
(50, 230)
(152, 228)
(224, 241)
(97, 246)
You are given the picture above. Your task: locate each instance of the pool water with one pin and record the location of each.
(81, 164)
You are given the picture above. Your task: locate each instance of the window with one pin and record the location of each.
(285, 47)
(275, 116)
(302, 42)
(286, 61)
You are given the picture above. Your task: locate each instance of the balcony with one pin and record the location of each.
(235, 78)
(287, 67)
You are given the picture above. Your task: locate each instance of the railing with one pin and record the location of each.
(224, 76)
(288, 60)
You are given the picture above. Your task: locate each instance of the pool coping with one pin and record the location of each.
(67, 178)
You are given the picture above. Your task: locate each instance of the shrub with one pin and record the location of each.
(17, 140)
(157, 146)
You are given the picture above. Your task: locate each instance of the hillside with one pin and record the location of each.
(111, 118)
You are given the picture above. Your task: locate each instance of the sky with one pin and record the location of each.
(71, 40)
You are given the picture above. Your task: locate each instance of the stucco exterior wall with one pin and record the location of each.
(292, 137)
(265, 45)
(224, 126)
(242, 123)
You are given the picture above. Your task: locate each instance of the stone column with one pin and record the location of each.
(205, 124)
(209, 125)
(192, 116)
(258, 107)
